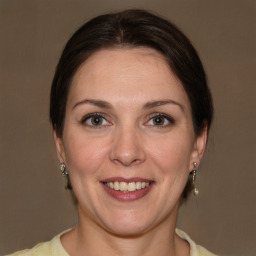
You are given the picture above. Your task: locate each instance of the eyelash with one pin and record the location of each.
(90, 116)
(167, 118)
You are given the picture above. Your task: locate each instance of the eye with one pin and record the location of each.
(95, 120)
(160, 120)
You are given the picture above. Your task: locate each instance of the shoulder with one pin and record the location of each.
(203, 252)
(38, 250)
(195, 250)
(50, 248)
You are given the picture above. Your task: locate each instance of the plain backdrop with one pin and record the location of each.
(34, 204)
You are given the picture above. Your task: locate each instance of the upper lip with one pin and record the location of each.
(127, 180)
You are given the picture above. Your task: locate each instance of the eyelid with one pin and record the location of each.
(169, 118)
(90, 115)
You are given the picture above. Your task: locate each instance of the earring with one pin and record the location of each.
(63, 169)
(195, 190)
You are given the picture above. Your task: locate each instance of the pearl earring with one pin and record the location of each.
(193, 172)
(63, 169)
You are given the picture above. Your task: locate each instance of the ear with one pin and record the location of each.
(199, 148)
(59, 147)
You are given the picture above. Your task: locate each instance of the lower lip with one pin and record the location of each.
(127, 196)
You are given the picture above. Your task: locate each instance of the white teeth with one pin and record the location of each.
(138, 185)
(125, 187)
(116, 185)
(131, 186)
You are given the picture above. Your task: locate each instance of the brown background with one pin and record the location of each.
(34, 205)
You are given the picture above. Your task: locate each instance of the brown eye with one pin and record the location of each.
(159, 120)
(95, 120)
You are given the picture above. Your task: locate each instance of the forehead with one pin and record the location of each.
(126, 74)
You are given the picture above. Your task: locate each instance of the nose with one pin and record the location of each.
(127, 148)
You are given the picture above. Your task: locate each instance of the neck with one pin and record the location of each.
(90, 239)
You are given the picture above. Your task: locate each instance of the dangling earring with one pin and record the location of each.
(193, 172)
(63, 169)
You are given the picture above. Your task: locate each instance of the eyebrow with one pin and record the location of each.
(107, 105)
(153, 104)
(97, 103)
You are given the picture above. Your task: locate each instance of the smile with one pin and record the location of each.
(127, 189)
(127, 186)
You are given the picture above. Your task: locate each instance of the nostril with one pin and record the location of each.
(126, 161)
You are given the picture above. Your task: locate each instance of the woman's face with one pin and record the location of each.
(128, 140)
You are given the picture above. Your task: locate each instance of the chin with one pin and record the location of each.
(128, 224)
(127, 230)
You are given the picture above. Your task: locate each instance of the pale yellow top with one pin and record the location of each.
(55, 248)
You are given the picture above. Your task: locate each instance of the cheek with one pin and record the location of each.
(85, 155)
(172, 154)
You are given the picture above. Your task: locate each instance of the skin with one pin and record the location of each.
(128, 143)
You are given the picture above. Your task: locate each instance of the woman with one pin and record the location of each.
(130, 110)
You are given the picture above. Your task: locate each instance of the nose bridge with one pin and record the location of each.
(127, 148)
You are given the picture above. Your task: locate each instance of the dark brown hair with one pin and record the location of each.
(134, 28)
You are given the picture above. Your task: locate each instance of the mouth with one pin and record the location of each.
(127, 190)
(127, 186)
